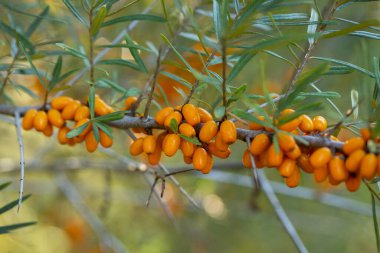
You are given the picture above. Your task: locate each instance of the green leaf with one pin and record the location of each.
(139, 47)
(7, 229)
(339, 70)
(113, 85)
(245, 14)
(351, 29)
(36, 72)
(220, 15)
(121, 62)
(4, 185)
(98, 20)
(142, 17)
(303, 109)
(177, 78)
(219, 112)
(280, 57)
(54, 82)
(193, 140)
(57, 68)
(237, 94)
(239, 65)
(323, 94)
(110, 117)
(12, 204)
(105, 128)
(25, 89)
(33, 26)
(96, 131)
(135, 53)
(250, 117)
(173, 125)
(376, 67)
(72, 51)
(75, 12)
(375, 223)
(16, 35)
(77, 131)
(91, 102)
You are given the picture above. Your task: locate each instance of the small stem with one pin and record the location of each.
(153, 85)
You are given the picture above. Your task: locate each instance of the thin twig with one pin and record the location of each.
(22, 158)
(153, 84)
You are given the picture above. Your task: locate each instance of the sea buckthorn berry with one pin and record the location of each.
(287, 167)
(188, 159)
(208, 131)
(162, 114)
(177, 116)
(91, 143)
(204, 115)
(333, 182)
(171, 144)
(69, 110)
(190, 114)
(209, 164)
(101, 108)
(274, 158)
(247, 163)
(77, 139)
(286, 141)
(256, 126)
(187, 130)
(104, 139)
(187, 148)
(353, 182)
(218, 153)
(368, 166)
(365, 133)
(219, 143)
(337, 170)
(294, 153)
(304, 162)
(320, 157)
(321, 174)
(306, 125)
(59, 103)
(55, 118)
(136, 147)
(290, 125)
(81, 123)
(27, 121)
(260, 143)
(82, 112)
(353, 144)
(149, 144)
(200, 158)
(264, 157)
(129, 102)
(320, 123)
(155, 157)
(48, 131)
(228, 132)
(354, 159)
(138, 130)
(40, 121)
(258, 163)
(294, 179)
(62, 132)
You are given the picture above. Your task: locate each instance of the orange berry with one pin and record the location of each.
(365, 133)
(86, 130)
(149, 144)
(48, 131)
(294, 153)
(286, 141)
(264, 157)
(104, 139)
(55, 118)
(287, 167)
(101, 108)
(256, 126)
(138, 130)
(304, 163)
(187, 148)
(218, 153)
(62, 138)
(155, 157)
(27, 121)
(337, 170)
(204, 115)
(354, 159)
(274, 158)
(171, 144)
(320, 157)
(219, 143)
(260, 143)
(208, 131)
(136, 147)
(177, 116)
(200, 158)
(91, 143)
(368, 166)
(209, 164)
(40, 121)
(82, 112)
(69, 110)
(306, 125)
(187, 130)
(129, 102)
(190, 114)
(294, 179)
(187, 159)
(290, 125)
(77, 139)
(353, 182)
(59, 103)
(247, 163)
(353, 144)
(320, 123)
(321, 174)
(162, 114)
(228, 132)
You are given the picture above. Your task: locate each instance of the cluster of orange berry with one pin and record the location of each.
(350, 164)
(212, 139)
(66, 114)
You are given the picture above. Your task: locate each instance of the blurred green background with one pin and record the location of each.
(230, 218)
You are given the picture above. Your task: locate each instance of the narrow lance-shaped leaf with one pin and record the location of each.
(120, 62)
(7, 229)
(142, 17)
(75, 12)
(110, 117)
(33, 26)
(98, 20)
(135, 53)
(16, 35)
(72, 51)
(27, 56)
(12, 204)
(351, 29)
(239, 65)
(77, 131)
(105, 128)
(4, 185)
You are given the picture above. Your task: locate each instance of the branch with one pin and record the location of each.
(22, 158)
(153, 85)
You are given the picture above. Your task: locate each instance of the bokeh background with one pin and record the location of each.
(112, 196)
